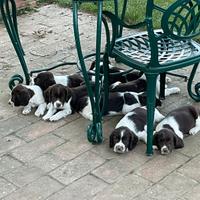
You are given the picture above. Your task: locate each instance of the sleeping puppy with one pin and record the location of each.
(118, 103)
(140, 85)
(131, 128)
(28, 96)
(170, 131)
(46, 79)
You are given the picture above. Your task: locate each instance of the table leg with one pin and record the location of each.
(94, 131)
(8, 11)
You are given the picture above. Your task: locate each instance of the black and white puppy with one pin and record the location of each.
(63, 99)
(118, 103)
(140, 85)
(46, 79)
(28, 96)
(131, 128)
(70, 100)
(170, 131)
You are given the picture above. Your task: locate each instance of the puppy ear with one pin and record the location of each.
(155, 139)
(47, 95)
(111, 140)
(158, 102)
(68, 93)
(133, 141)
(30, 92)
(178, 142)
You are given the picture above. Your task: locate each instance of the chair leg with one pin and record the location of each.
(151, 97)
(196, 94)
(162, 86)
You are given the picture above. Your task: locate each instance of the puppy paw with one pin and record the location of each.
(53, 118)
(45, 118)
(194, 131)
(26, 112)
(176, 90)
(38, 113)
(155, 147)
(168, 80)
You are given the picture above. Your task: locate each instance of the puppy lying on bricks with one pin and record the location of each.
(140, 85)
(28, 96)
(131, 128)
(170, 131)
(69, 100)
(118, 103)
(46, 79)
(63, 99)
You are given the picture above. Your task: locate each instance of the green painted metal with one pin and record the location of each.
(8, 12)
(196, 93)
(158, 51)
(94, 131)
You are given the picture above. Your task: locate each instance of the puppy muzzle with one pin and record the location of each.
(119, 148)
(165, 150)
(58, 105)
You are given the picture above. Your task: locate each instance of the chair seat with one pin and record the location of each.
(136, 47)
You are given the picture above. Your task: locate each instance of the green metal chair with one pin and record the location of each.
(158, 51)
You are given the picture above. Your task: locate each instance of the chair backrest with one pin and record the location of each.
(182, 19)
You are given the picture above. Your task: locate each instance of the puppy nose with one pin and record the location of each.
(119, 148)
(58, 105)
(165, 150)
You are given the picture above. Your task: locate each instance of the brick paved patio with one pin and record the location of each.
(41, 160)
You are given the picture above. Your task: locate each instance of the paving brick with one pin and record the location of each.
(77, 168)
(120, 165)
(7, 164)
(11, 125)
(160, 166)
(178, 183)
(84, 188)
(193, 194)
(191, 168)
(38, 129)
(6, 187)
(114, 169)
(73, 148)
(157, 192)
(38, 190)
(37, 147)
(8, 143)
(127, 188)
(46, 162)
(192, 147)
(23, 175)
(77, 127)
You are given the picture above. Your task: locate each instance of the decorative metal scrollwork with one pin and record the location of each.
(196, 93)
(182, 19)
(14, 80)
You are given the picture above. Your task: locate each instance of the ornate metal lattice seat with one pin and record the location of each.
(137, 48)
